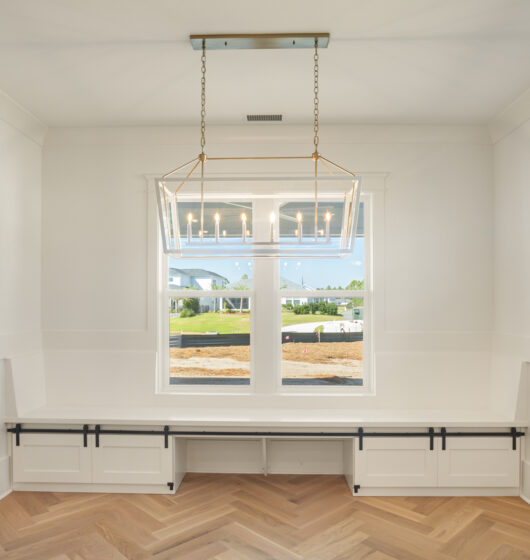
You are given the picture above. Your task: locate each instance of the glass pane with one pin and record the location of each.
(327, 274)
(322, 341)
(209, 341)
(211, 274)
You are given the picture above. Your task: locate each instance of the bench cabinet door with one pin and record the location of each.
(479, 461)
(395, 462)
(132, 459)
(51, 458)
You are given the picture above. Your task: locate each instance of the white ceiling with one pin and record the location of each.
(129, 62)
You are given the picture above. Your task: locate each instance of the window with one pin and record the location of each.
(323, 318)
(209, 322)
(293, 325)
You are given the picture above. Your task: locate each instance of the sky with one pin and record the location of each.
(314, 273)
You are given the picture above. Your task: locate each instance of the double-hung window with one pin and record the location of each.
(268, 325)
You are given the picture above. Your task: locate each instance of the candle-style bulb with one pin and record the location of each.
(243, 227)
(272, 219)
(299, 230)
(188, 228)
(327, 218)
(217, 218)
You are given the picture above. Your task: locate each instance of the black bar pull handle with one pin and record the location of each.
(444, 434)
(17, 434)
(166, 436)
(85, 435)
(431, 439)
(360, 432)
(97, 430)
(513, 431)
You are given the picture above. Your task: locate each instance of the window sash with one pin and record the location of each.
(181, 294)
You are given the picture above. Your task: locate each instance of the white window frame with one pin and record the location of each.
(265, 346)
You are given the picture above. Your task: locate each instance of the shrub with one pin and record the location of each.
(313, 307)
(332, 309)
(187, 312)
(302, 309)
(191, 303)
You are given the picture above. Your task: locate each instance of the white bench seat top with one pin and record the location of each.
(263, 419)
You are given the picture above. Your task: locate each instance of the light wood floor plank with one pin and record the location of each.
(252, 517)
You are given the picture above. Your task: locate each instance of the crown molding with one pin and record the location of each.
(273, 134)
(15, 115)
(510, 118)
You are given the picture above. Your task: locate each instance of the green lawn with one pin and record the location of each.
(225, 323)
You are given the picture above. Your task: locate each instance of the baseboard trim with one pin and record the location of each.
(525, 486)
(5, 477)
(437, 491)
(5, 494)
(99, 488)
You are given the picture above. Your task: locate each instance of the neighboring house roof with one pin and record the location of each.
(196, 273)
(287, 284)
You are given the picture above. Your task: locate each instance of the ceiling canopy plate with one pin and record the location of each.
(260, 41)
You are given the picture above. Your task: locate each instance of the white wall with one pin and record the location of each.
(433, 270)
(21, 137)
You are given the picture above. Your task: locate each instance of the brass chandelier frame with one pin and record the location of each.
(198, 164)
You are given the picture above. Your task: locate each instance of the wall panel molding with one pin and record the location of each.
(21, 119)
(510, 118)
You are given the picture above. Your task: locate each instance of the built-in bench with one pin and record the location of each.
(149, 449)
(136, 451)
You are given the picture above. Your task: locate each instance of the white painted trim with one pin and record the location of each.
(527, 500)
(20, 118)
(5, 494)
(525, 480)
(511, 117)
(5, 476)
(324, 293)
(105, 488)
(247, 136)
(209, 293)
(435, 491)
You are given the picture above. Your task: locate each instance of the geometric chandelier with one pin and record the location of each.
(259, 206)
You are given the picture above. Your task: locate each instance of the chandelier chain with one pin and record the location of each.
(203, 97)
(315, 92)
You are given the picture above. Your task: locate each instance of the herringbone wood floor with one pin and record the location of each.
(246, 517)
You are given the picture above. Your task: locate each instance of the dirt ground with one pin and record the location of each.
(329, 357)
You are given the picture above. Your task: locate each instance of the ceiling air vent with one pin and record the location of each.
(264, 118)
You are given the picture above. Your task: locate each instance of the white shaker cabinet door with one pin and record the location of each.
(132, 459)
(395, 462)
(479, 461)
(51, 458)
